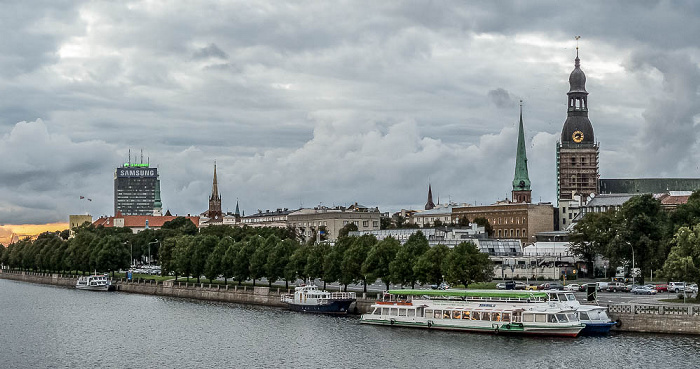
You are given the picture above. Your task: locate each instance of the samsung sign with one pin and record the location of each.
(137, 172)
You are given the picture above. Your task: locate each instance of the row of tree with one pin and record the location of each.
(665, 243)
(251, 254)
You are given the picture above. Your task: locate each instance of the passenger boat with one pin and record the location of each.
(594, 317)
(95, 282)
(476, 311)
(310, 299)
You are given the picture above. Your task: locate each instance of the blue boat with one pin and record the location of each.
(309, 299)
(596, 320)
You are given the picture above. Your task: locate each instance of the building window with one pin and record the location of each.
(345, 222)
(365, 223)
(564, 221)
(499, 233)
(375, 224)
(517, 233)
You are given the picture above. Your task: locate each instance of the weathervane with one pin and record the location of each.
(577, 38)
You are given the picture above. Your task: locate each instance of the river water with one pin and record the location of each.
(54, 327)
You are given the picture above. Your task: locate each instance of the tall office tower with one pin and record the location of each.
(135, 189)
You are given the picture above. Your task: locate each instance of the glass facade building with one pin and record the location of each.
(135, 187)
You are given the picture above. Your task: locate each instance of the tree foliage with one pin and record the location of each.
(466, 265)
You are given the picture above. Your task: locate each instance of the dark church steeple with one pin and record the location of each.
(214, 211)
(430, 204)
(521, 179)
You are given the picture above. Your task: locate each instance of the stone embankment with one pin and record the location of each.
(200, 291)
(650, 318)
(656, 318)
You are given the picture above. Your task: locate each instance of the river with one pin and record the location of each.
(53, 327)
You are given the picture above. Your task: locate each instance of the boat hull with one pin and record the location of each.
(95, 288)
(597, 329)
(338, 307)
(513, 328)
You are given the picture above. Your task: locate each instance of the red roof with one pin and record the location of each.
(139, 221)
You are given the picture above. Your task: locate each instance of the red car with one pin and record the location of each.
(661, 288)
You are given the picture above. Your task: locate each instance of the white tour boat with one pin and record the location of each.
(524, 312)
(310, 299)
(95, 282)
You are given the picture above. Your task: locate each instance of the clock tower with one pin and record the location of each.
(577, 151)
(521, 180)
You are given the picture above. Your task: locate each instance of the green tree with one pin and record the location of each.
(333, 260)
(296, 268)
(354, 257)
(683, 261)
(232, 247)
(463, 221)
(466, 264)
(181, 225)
(591, 235)
(379, 258)
(241, 265)
(350, 227)
(167, 257)
(316, 261)
(258, 262)
(214, 265)
(184, 253)
(203, 247)
(401, 268)
(430, 267)
(483, 222)
(113, 255)
(279, 258)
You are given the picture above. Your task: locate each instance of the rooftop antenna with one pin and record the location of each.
(577, 38)
(129, 156)
(141, 162)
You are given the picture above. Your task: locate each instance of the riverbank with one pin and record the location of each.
(648, 318)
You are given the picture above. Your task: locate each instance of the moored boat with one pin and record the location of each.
(310, 299)
(594, 317)
(95, 282)
(476, 311)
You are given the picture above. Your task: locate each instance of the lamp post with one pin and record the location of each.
(131, 255)
(149, 250)
(634, 271)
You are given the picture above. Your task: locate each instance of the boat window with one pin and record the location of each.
(466, 315)
(551, 318)
(476, 316)
(446, 314)
(394, 311)
(562, 318)
(438, 314)
(541, 318)
(428, 313)
(583, 316)
(506, 317)
(603, 316)
(411, 312)
(570, 297)
(496, 317)
(485, 316)
(385, 311)
(528, 317)
(572, 317)
(456, 314)
(402, 312)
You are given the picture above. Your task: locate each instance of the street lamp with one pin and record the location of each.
(633, 269)
(131, 255)
(149, 250)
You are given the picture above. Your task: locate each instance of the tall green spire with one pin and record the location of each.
(521, 180)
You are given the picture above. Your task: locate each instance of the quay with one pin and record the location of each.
(632, 317)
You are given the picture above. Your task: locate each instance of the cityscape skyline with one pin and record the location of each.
(332, 105)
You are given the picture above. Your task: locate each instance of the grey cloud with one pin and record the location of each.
(501, 98)
(210, 51)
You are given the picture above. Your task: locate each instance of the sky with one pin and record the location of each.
(329, 103)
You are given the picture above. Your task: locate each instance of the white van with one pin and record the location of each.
(601, 286)
(676, 287)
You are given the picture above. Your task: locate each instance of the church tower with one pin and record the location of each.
(430, 204)
(214, 212)
(521, 180)
(577, 151)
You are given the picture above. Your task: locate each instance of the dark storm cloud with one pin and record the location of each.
(338, 101)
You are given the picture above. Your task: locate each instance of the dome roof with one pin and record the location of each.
(577, 79)
(574, 124)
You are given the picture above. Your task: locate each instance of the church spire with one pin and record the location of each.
(521, 179)
(430, 204)
(215, 200)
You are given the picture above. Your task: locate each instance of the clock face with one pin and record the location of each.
(522, 183)
(577, 136)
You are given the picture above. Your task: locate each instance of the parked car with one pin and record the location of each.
(583, 287)
(661, 288)
(644, 290)
(520, 285)
(573, 287)
(601, 286)
(693, 288)
(531, 287)
(555, 286)
(676, 287)
(617, 287)
(501, 286)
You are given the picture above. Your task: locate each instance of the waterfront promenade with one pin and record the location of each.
(649, 317)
